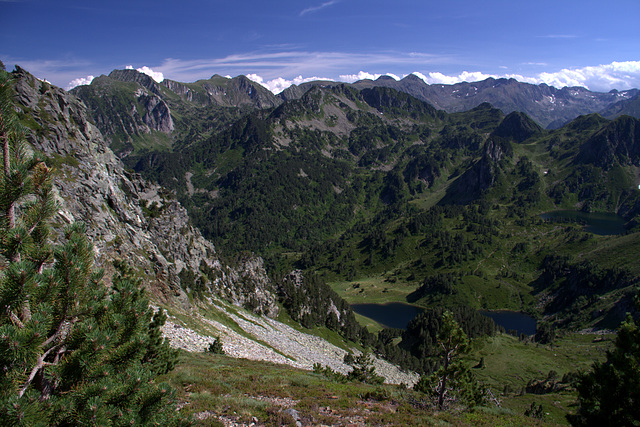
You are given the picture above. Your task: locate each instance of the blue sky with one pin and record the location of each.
(562, 42)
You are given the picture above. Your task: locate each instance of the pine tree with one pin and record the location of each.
(609, 395)
(452, 382)
(72, 350)
(362, 368)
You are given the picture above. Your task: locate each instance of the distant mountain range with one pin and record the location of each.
(548, 106)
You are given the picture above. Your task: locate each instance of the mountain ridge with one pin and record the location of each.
(549, 106)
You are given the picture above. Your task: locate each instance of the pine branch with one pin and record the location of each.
(5, 126)
(61, 333)
(16, 320)
(39, 365)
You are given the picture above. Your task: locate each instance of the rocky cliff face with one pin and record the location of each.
(224, 92)
(618, 143)
(129, 218)
(128, 108)
(135, 76)
(481, 175)
(135, 113)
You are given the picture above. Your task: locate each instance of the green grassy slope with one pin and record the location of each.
(219, 389)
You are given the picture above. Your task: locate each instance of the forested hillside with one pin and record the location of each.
(368, 184)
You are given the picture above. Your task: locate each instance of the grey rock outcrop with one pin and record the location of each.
(224, 92)
(127, 217)
(126, 108)
(142, 79)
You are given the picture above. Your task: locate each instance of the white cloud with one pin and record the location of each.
(279, 84)
(362, 75)
(285, 64)
(278, 68)
(80, 81)
(600, 78)
(465, 76)
(155, 75)
(256, 78)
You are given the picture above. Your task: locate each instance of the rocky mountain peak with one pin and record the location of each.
(517, 127)
(412, 78)
(136, 109)
(385, 78)
(142, 79)
(61, 125)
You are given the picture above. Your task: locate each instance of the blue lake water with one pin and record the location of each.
(398, 315)
(513, 320)
(391, 315)
(601, 223)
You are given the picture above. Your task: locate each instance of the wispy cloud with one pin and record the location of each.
(617, 75)
(279, 69)
(600, 78)
(317, 8)
(60, 72)
(287, 64)
(559, 36)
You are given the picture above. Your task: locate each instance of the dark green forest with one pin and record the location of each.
(348, 185)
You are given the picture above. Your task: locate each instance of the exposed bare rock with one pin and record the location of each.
(126, 104)
(272, 341)
(128, 218)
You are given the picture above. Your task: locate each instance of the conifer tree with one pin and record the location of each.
(452, 382)
(362, 368)
(609, 395)
(72, 350)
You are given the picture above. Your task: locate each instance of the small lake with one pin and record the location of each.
(391, 315)
(513, 320)
(601, 223)
(399, 314)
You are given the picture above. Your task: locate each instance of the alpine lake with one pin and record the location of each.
(399, 314)
(600, 223)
